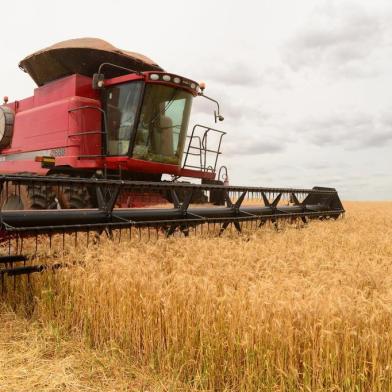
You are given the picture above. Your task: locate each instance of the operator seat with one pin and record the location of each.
(166, 131)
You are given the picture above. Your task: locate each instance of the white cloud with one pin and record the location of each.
(248, 146)
(340, 38)
(347, 130)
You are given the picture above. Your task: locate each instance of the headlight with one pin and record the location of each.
(176, 80)
(154, 76)
(166, 78)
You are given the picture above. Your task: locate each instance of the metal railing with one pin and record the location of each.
(198, 146)
(85, 142)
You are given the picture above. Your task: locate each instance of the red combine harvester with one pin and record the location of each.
(103, 112)
(93, 143)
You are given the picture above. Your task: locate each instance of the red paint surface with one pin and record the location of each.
(47, 121)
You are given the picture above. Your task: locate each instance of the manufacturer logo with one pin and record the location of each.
(57, 152)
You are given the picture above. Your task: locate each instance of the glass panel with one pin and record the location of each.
(163, 124)
(121, 108)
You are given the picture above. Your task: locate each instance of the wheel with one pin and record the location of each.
(72, 197)
(28, 197)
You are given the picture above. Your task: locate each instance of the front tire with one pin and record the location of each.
(73, 197)
(28, 197)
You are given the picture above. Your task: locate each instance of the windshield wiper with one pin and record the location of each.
(159, 113)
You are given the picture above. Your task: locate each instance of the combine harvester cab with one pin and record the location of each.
(103, 127)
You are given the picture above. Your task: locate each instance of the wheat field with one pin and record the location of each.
(299, 309)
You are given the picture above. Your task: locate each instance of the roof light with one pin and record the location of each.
(154, 77)
(166, 78)
(193, 85)
(176, 80)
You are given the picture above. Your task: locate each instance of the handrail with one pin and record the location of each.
(104, 132)
(202, 148)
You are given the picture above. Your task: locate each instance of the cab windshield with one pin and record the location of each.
(163, 123)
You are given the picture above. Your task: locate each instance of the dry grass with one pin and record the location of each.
(302, 309)
(34, 357)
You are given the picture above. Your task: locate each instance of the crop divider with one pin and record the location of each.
(107, 198)
(183, 207)
(235, 208)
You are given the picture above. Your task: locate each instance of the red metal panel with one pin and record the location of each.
(84, 130)
(22, 167)
(75, 85)
(54, 91)
(154, 167)
(43, 122)
(41, 127)
(24, 104)
(197, 174)
(124, 79)
(84, 88)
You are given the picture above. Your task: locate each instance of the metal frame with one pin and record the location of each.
(202, 149)
(301, 204)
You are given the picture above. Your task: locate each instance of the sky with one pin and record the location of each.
(305, 86)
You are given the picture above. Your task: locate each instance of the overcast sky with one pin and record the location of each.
(304, 85)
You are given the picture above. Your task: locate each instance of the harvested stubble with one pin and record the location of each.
(300, 309)
(36, 358)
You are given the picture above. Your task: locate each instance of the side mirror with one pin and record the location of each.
(98, 81)
(218, 116)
